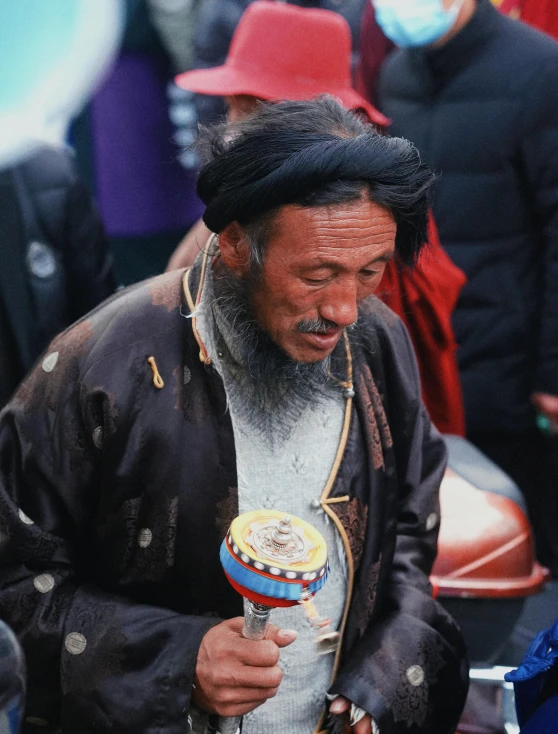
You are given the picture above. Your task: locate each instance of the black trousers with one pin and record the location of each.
(531, 460)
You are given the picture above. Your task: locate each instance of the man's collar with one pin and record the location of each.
(445, 62)
(193, 282)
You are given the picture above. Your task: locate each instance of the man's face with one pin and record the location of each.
(319, 263)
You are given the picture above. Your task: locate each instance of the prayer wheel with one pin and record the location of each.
(275, 560)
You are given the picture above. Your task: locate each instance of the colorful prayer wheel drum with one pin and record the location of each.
(274, 559)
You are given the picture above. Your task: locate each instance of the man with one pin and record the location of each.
(476, 92)
(315, 59)
(265, 376)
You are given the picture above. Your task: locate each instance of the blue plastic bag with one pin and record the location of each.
(535, 684)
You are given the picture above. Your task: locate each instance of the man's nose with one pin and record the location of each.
(340, 304)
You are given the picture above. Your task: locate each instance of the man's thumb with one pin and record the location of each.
(280, 637)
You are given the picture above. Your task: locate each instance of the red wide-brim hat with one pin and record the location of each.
(282, 51)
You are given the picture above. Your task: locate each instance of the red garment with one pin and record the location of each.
(425, 299)
(374, 47)
(542, 14)
(509, 7)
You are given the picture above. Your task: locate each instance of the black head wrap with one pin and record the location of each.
(262, 171)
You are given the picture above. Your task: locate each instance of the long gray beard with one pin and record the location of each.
(265, 387)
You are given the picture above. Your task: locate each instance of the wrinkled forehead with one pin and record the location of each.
(345, 235)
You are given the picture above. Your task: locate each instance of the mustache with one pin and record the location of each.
(318, 325)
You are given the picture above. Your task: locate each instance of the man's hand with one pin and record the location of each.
(235, 675)
(340, 705)
(546, 404)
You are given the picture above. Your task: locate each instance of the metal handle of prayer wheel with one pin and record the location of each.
(222, 725)
(255, 625)
(255, 621)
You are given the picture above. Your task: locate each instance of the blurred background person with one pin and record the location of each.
(374, 45)
(476, 92)
(175, 22)
(316, 58)
(214, 32)
(130, 138)
(55, 265)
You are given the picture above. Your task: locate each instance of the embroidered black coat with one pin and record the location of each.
(115, 495)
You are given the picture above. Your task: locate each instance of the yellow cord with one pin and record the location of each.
(348, 384)
(204, 357)
(157, 379)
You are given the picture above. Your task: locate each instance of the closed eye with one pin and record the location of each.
(316, 281)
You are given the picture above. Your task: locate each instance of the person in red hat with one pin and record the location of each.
(315, 59)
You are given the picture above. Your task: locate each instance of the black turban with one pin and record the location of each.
(261, 172)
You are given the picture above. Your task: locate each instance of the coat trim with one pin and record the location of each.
(204, 356)
(324, 503)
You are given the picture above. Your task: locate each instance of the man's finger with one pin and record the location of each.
(258, 653)
(236, 624)
(243, 696)
(238, 709)
(248, 676)
(364, 726)
(339, 705)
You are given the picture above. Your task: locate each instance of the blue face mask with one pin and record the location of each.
(415, 22)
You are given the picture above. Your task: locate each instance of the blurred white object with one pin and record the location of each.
(53, 55)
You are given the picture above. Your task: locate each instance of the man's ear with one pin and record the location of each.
(235, 249)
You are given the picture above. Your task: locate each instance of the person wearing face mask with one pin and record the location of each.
(477, 93)
(412, 23)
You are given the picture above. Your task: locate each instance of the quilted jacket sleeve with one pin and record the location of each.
(88, 259)
(96, 660)
(69, 219)
(539, 162)
(410, 669)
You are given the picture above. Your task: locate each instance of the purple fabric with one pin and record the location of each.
(141, 187)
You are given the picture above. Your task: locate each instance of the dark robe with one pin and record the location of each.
(115, 495)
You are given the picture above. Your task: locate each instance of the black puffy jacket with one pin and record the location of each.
(54, 259)
(483, 111)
